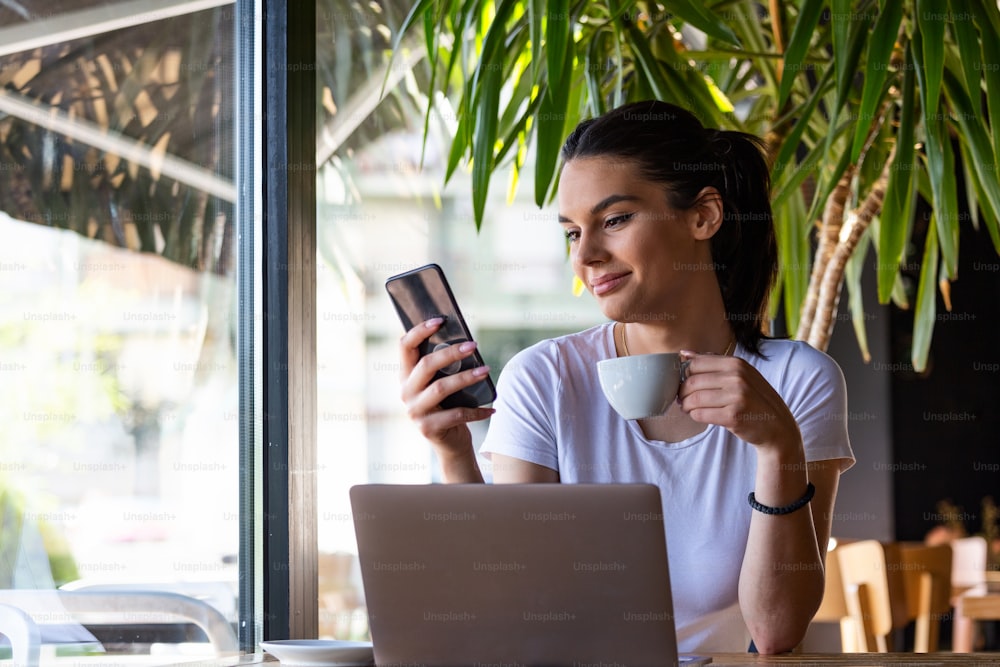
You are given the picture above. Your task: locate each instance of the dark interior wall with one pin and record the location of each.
(864, 499)
(945, 420)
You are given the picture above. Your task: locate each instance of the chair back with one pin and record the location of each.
(968, 562)
(834, 606)
(864, 576)
(927, 575)
(968, 573)
(874, 592)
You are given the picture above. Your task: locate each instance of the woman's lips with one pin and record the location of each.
(607, 283)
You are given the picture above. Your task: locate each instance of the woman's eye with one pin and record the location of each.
(572, 235)
(617, 220)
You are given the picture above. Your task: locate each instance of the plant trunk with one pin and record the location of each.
(829, 235)
(833, 277)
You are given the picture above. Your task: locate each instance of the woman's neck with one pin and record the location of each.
(702, 326)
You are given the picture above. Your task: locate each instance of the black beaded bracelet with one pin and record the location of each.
(787, 509)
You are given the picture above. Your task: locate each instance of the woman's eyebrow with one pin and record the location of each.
(608, 201)
(603, 204)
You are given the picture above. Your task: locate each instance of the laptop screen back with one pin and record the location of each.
(515, 575)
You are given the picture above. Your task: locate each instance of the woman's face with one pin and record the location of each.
(634, 252)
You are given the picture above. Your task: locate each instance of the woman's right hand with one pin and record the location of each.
(447, 429)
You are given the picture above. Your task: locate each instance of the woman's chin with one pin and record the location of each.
(615, 314)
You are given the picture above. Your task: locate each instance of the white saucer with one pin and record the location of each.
(320, 652)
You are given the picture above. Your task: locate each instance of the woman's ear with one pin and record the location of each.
(707, 212)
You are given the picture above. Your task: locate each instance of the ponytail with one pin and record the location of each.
(744, 250)
(669, 145)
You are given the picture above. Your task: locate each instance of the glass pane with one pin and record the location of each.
(118, 378)
(380, 213)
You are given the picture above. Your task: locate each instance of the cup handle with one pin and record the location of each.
(684, 369)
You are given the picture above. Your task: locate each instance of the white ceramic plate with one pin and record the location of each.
(320, 652)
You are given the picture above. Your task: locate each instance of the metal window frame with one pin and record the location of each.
(276, 185)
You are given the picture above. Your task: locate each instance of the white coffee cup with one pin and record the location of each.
(642, 385)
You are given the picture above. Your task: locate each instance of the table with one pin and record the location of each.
(858, 660)
(979, 603)
(803, 660)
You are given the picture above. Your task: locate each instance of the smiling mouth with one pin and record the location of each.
(607, 283)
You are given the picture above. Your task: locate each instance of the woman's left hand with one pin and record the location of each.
(731, 393)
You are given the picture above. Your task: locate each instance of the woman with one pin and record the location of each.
(670, 229)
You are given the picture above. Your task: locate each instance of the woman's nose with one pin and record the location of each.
(589, 249)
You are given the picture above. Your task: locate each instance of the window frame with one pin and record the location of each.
(276, 181)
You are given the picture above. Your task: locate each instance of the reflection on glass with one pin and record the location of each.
(118, 383)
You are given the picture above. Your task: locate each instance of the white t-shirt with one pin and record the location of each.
(550, 411)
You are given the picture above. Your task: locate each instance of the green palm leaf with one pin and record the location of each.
(798, 45)
(699, 16)
(897, 209)
(988, 21)
(926, 312)
(883, 38)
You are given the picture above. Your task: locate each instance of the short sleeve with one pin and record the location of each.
(523, 425)
(816, 393)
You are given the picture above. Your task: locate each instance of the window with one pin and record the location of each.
(158, 324)
(119, 320)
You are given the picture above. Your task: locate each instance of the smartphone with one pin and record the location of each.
(423, 293)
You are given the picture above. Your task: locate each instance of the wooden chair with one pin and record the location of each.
(833, 608)
(342, 612)
(886, 586)
(927, 575)
(872, 593)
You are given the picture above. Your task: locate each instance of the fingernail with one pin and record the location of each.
(467, 346)
(433, 322)
(479, 371)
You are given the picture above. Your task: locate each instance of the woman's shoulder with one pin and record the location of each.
(795, 363)
(785, 352)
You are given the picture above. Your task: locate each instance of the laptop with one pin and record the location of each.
(516, 575)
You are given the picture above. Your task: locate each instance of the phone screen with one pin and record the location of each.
(422, 294)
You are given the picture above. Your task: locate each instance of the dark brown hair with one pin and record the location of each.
(669, 145)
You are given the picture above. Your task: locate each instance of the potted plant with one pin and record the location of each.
(866, 107)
